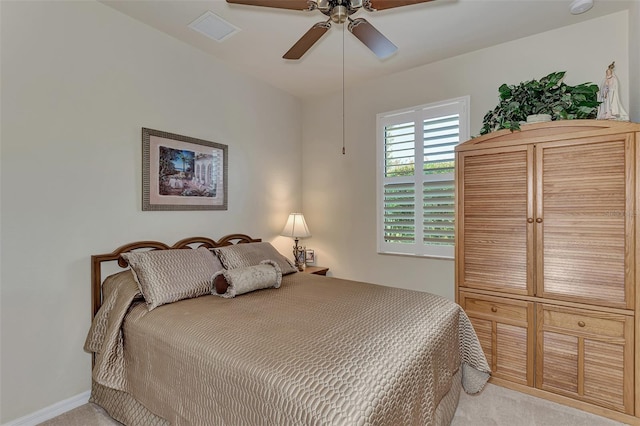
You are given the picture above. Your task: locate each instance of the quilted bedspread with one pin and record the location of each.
(316, 351)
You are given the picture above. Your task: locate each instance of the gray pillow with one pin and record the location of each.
(166, 276)
(251, 254)
(232, 282)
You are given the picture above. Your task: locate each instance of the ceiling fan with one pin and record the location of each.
(338, 12)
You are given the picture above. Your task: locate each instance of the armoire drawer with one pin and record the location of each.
(495, 307)
(600, 324)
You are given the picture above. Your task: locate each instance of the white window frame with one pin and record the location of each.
(418, 115)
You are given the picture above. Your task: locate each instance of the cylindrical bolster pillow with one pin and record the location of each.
(231, 282)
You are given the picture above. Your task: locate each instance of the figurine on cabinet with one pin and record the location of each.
(611, 108)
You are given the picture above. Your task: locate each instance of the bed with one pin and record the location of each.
(311, 350)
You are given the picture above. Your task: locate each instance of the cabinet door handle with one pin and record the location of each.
(581, 323)
(494, 309)
(539, 220)
(529, 220)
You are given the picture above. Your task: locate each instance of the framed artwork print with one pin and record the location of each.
(182, 173)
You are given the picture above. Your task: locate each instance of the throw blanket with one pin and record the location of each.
(316, 351)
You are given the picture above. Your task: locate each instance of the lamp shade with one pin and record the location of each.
(296, 227)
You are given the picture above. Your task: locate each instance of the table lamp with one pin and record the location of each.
(296, 228)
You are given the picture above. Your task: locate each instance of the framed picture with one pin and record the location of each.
(310, 257)
(182, 173)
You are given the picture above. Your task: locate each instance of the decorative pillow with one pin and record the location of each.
(251, 254)
(231, 282)
(166, 276)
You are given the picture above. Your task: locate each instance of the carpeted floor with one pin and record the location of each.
(498, 406)
(495, 406)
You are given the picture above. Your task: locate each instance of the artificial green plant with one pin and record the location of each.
(549, 95)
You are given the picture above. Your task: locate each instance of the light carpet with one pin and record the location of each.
(494, 406)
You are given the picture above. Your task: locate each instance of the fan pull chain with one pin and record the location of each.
(343, 102)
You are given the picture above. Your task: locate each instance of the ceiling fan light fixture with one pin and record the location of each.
(580, 6)
(339, 14)
(323, 5)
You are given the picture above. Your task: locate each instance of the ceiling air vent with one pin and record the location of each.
(213, 26)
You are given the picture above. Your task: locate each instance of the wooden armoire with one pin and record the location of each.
(546, 255)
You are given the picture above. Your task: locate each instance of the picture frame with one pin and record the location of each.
(310, 256)
(183, 173)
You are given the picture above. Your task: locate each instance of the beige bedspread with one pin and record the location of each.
(315, 351)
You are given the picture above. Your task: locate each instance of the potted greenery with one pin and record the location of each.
(549, 95)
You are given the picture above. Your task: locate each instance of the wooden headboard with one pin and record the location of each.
(193, 242)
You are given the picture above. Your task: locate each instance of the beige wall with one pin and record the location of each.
(339, 198)
(79, 80)
(634, 62)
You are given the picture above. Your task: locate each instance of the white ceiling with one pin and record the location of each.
(424, 33)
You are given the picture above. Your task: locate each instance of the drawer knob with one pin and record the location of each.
(581, 323)
(529, 220)
(494, 309)
(539, 220)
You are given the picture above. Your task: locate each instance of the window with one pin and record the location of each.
(416, 187)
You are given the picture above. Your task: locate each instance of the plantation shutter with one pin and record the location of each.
(399, 187)
(416, 202)
(440, 137)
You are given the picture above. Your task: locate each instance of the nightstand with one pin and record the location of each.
(317, 270)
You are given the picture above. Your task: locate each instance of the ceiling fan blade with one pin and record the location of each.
(280, 4)
(307, 40)
(372, 38)
(388, 4)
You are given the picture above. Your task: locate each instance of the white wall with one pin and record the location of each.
(339, 198)
(79, 80)
(634, 62)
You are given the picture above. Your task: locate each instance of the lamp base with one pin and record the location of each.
(298, 256)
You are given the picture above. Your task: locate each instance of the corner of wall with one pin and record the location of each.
(634, 62)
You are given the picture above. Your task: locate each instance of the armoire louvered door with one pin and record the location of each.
(497, 239)
(585, 236)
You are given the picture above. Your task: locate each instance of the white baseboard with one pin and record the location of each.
(51, 411)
